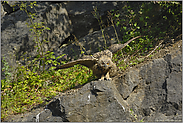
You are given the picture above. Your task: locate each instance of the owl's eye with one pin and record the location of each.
(107, 63)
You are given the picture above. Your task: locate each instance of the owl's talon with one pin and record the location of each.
(101, 79)
(109, 79)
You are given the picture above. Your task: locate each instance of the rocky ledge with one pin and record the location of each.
(149, 92)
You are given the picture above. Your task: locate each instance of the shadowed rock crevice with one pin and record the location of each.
(164, 86)
(57, 110)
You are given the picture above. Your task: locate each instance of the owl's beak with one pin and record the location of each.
(105, 65)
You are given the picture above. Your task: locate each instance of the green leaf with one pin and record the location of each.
(123, 20)
(117, 23)
(147, 17)
(145, 23)
(164, 17)
(117, 15)
(135, 24)
(47, 28)
(82, 52)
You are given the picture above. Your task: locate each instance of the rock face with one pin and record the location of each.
(150, 92)
(95, 102)
(16, 36)
(63, 19)
(82, 18)
(91, 43)
(155, 88)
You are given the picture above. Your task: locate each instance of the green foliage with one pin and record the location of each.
(101, 23)
(152, 20)
(29, 89)
(32, 84)
(37, 29)
(6, 73)
(135, 116)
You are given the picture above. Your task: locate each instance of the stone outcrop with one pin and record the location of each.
(16, 36)
(97, 101)
(91, 43)
(82, 18)
(150, 92)
(64, 19)
(155, 88)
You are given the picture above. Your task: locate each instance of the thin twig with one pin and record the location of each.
(78, 43)
(131, 55)
(109, 16)
(153, 50)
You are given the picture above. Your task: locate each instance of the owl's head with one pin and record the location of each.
(105, 62)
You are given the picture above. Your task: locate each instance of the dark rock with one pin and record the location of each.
(91, 43)
(17, 43)
(150, 92)
(16, 36)
(48, 116)
(27, 117)
(14, 5)
(158, 117)
(82, 18)
(127, 83)
(154, 88)
(97, 101)
(7, 8)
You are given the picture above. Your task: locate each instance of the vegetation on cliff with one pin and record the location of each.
(32, 85)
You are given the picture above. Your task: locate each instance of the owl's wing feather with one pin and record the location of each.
(116, 47)
(87, 61)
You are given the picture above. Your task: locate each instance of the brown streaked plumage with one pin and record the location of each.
(100, 63)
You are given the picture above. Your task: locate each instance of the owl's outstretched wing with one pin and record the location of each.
(116, 47)
(87, 61)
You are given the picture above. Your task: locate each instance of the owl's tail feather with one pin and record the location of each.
(116, 47)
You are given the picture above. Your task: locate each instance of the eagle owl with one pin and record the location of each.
(100, 63)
